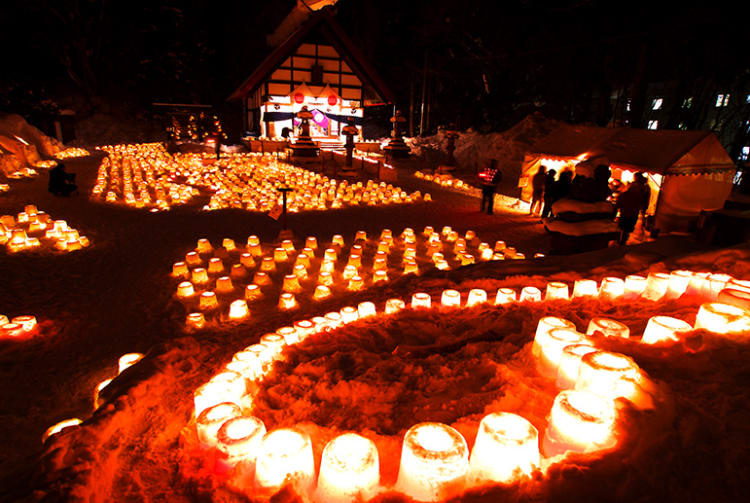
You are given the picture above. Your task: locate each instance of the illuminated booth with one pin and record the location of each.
(317, 66)
(688, 171)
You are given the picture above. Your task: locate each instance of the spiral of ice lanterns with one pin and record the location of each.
(434, 462)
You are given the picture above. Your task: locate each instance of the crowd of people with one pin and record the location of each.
(629, 201)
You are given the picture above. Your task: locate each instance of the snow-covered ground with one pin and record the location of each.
(116, 297)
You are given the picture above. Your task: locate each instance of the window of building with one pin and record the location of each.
(687, 102)
(747, 98)
(745, 153)
(681, 125)
(653, 124)
(316, 75)
(722, 100)
(656, 103)
(627, 106)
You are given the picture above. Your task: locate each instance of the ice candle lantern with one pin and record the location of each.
(506, 449)
(434, 462)
(349, 470)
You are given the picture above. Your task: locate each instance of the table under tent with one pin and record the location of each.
(688, 171)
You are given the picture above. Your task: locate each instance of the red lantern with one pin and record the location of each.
(332, 99)
(299, 97)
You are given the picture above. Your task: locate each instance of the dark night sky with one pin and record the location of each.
(485, 58)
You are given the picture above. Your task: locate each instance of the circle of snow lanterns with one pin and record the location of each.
(349, 470)
(634, 285)
(450, 298)
(434, 462)
(581, 420)
(128, 360)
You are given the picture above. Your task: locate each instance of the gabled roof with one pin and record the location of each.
(335, 34)
(655, 151)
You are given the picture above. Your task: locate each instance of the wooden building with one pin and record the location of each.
(317, 66)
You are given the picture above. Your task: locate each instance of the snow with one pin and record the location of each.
(376, 377)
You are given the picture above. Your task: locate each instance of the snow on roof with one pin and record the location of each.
(639, 149)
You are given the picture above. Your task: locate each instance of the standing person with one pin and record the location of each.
(629, 203)
(561, 188)
(641, 180)
(490, 181)
(61, 183)
(537, 190)
(549, 190)
(217, 145)
(602, 174)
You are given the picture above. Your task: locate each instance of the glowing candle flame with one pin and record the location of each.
(349, 470)
(506, 449)
(434, 462)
